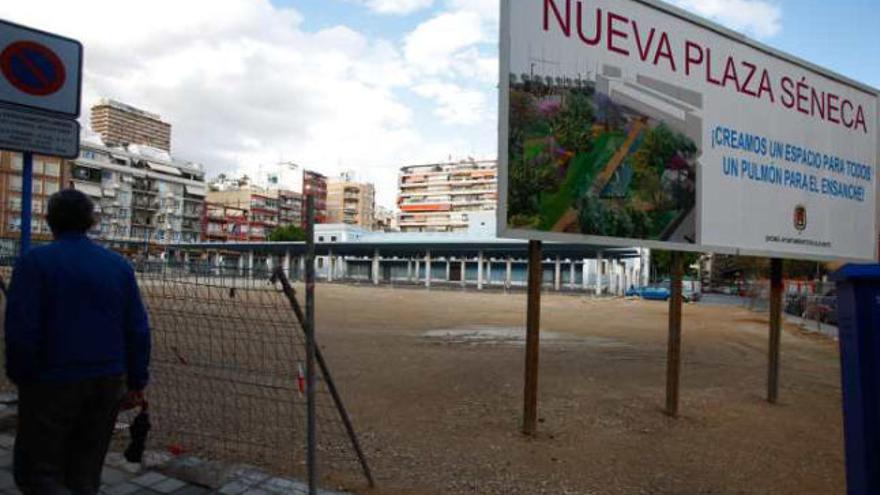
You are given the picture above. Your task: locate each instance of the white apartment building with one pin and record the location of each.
(441, 197)
(144, 195)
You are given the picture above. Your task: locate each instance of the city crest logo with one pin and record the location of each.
(800, 218)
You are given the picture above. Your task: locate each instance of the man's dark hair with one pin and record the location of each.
(70, 212)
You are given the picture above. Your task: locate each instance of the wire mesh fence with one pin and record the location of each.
(810, 301)
(228, 374)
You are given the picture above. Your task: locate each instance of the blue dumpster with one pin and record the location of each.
(858, 300)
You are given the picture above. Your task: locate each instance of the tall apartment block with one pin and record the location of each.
(120, 124)
(351, 202)
(315, 185)
(145, 197)
(439, 197)
(48, 178)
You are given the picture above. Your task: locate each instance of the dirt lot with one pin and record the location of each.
(439, 412)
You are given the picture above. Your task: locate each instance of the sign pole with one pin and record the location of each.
(533, 329)
(27, 189)
(776, 289)
(673, 358)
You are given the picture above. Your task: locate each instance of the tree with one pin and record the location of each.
(662, 263)
(528, 179)
(573, 124)
(288, 233)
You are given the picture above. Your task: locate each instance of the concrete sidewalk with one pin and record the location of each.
(122, 478)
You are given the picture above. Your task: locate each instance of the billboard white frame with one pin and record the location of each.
(503, 231)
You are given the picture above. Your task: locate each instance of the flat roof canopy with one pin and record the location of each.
(409, 249)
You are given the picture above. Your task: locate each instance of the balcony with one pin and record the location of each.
(145, 206)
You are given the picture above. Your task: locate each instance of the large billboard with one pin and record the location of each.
(628, 122)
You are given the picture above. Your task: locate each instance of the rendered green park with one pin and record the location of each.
(579, 163)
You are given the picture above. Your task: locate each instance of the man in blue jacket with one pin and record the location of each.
(77, 346)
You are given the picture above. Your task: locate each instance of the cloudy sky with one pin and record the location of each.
(362, 85)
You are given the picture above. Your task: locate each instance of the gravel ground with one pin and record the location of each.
(434, 382)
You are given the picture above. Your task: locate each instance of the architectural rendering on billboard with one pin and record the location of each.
(627, 122)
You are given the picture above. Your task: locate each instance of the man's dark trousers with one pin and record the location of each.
(64, 431)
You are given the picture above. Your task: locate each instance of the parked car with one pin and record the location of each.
(656, 293)
(690, 293)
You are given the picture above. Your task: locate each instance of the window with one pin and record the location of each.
(52, 169)
(37, 186)
(15, 203)
(88, 154)
(320, 263)
(15, 183)
(86, 174)
(16, 163)
(50, 187)
(36, 207)
(38, 167)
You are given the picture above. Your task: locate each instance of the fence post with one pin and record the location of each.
(309, 327)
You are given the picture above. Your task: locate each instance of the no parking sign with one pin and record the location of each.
(40, 79)
(39, 70)
(40, 88)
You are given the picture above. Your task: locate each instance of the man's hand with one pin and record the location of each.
(133, 399)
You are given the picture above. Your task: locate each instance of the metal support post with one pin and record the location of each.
(330, 264)
(557, 275)
(480, 271)
(533, 330)
(427, 269)
(673, 358)
(27, 190)
(311, 454)
(377, 261)
(585, 276)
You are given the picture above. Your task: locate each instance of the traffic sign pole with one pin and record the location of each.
(27, 188)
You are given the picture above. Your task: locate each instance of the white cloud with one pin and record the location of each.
(489, 10)
(437, 45)
(243, 85)
(455, 104)
(398, 7)
(456, 49)
(759, 18)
